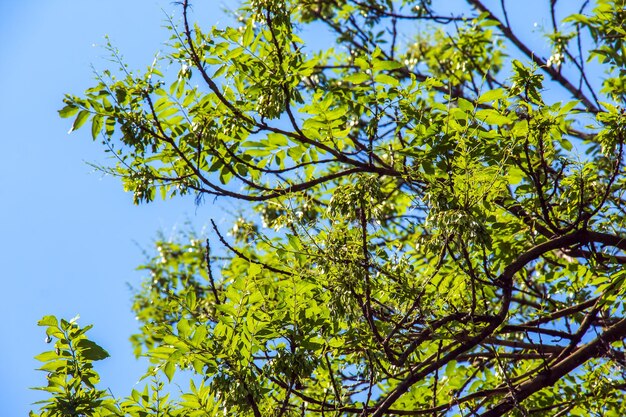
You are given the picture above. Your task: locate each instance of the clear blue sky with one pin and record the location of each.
(71, 237)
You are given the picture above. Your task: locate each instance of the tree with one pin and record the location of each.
(433, 220)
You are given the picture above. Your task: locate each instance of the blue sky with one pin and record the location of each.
(71, 237)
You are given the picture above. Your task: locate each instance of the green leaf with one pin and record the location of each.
(183, 327)
(254, 269)
(386, 79)
(191, 300)
(336, 114)
(68, 111)
(492, 117)
(275, 140)
(168, 111)
(386, 65)
(47, 356)
(109, 128)
(566, 144)
(234, 53)
(520, 129)
(48, 321)
(80, 120)
(465, 105)
(248, 35)
(568, 107)
(491, 95)
(96, 126)
(169, 369)
(91, 351)
(357, 78)
(515, 176)
(54, 365)
(199, 334)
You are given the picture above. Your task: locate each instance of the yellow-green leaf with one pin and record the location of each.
(80, 120)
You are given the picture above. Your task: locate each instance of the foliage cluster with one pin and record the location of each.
(434, 221)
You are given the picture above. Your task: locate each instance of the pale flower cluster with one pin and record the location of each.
(555, 60)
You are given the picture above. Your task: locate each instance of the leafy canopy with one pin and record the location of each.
(433, 219)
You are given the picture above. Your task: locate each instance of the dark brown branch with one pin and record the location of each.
(207, 259)
(505, 281)
(558, 77)
(512, 328)
(551, 375)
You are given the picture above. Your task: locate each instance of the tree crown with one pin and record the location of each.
(434, 220)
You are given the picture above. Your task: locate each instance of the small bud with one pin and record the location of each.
(48, 339)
